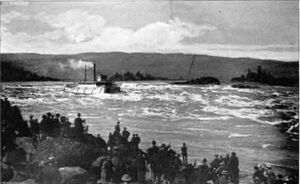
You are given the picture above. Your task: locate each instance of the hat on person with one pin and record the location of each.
(126, 177)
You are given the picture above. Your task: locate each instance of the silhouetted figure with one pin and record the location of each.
(64, 126)
(78, 122)
(45, 126)
(34, 127)
(204, 172)
(153, 158)
(226, 160)
(49, 115)
(117, 127)
(110, 141)
(141, 167)
(106, 170)
(125, 133)
(184, 154)
(56, 125)
(233, 167)
(258, 176)
(216, 162)
(138, 140)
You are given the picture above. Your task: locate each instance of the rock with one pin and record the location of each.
(243, 86)
(99, 161)
(201, 81)
(205, 80)
(15, 157)
(29, 181)
(73, 175)
(67, 152)
(6, 172)
(237, 79)
(26, 144)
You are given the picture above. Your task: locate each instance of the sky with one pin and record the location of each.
(256, 29)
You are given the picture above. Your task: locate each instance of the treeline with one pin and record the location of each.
(10, 72)
(265, 77)
(138, 76)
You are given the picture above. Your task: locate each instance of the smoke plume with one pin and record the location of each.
(79, 64)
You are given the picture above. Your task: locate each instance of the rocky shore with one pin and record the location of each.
(28, 155)
(200, 81)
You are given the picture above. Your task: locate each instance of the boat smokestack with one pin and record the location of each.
(95, 76)
(85, 73)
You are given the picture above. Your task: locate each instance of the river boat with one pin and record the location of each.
(98, 86)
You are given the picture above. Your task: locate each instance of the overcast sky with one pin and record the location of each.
(266, 29)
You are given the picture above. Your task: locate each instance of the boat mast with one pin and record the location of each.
(193, 60)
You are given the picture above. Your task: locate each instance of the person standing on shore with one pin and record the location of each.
(117, 127)
(125, 134)
(233, 167)
(35, 130)
(78, 122)
(153, 156)
(184, 154)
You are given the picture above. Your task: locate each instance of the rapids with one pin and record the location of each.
(209, 119)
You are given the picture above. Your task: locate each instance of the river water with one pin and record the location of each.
(209, 119)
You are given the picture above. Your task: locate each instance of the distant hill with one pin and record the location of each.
(10, 72)
(172, 66)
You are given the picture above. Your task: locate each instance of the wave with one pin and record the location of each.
(183, 97)
(246, 113)
(232, 135)
(244, 126)
(243, 90)
(208, 130)
(120, 96)
(149, 86)
(266, 145)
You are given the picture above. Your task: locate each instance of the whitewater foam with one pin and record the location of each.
(233, 135)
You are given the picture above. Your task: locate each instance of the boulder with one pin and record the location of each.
(6, 172)
(205, 80)
(15, 157)
(67, 152)
(243, 86)
(99, 161)
(73, 175)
